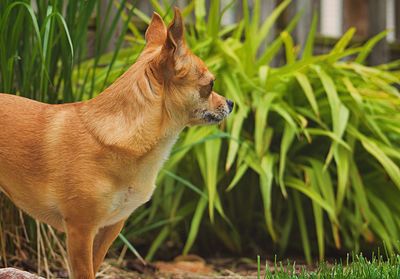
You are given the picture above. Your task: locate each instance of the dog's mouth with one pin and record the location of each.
(211, 117)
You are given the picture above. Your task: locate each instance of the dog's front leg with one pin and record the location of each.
(80, 251)
(102, 242)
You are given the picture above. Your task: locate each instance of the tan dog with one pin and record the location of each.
(85, 167)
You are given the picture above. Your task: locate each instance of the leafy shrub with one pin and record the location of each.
(311, 148)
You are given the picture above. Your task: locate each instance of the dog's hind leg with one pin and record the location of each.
(80, 250)
(102, 242)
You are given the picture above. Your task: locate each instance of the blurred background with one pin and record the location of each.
(369, 17)
(336, 16)
(308, 164)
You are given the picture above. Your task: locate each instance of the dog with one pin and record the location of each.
(84, 167)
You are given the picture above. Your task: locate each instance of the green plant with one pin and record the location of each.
(304, 152)
(357, 266)
(41, 46)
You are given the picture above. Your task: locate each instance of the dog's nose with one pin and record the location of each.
(230, 104)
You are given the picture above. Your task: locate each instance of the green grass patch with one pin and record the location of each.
(355, 267)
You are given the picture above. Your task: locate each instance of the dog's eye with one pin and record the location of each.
(206, 90)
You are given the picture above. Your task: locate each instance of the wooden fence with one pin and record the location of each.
(335, 16)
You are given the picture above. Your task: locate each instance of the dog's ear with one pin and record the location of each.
(174, 46)
(175, 39)
(156, 33)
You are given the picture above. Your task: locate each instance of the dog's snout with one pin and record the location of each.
(230, 104)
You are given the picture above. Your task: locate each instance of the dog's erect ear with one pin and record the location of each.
(175, 39)
(174, 46)
(156, 33)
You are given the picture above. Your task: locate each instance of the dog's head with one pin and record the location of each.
(183, 80)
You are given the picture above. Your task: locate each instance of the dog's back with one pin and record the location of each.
(26, 161)
(22, 127)
(20, 137)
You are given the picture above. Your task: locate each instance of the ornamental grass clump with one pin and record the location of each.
(312, 149)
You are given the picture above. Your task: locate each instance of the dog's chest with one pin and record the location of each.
(125, 201)
(139, 189)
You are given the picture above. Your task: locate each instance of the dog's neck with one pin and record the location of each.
(130, 114)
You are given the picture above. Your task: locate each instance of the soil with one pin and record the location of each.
(182, 267)
(188, 267)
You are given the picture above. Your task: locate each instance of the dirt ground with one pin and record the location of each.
(186, 267)
(182, 267)
(189, 267)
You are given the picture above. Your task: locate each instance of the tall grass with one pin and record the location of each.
(41, 45)
(308, 160)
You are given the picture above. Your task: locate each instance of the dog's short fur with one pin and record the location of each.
(85, 167)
